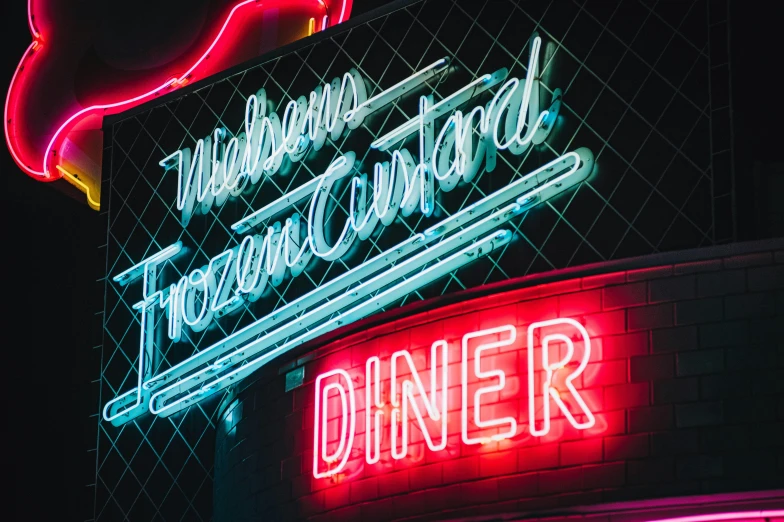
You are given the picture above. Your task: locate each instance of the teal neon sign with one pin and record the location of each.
(219, 168)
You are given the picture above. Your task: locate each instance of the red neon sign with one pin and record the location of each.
(46, 120)
(419, 397)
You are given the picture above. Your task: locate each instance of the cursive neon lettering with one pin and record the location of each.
(222, 166)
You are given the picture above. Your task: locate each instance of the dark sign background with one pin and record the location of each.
(637, 91)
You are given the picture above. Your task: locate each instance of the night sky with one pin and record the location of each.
(51, 261)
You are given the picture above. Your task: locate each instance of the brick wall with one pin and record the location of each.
(684, 380)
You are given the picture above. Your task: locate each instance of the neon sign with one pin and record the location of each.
(46, 150)
(220, 167)
(392, 408)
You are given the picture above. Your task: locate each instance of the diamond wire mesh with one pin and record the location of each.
(635, 82)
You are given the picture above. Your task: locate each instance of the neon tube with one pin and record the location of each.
(372, 418)
(435, 411)
(81, 186)
(455, 99)
(347, 425)
(252, 330)
(365, 108)
(491, 374)
(383, 98)
(125, 277)
(204, 369)
(326, 309)
(290, 132)
(474, 251)
(32, 48)
(146, 345)
(301, 304)
(581, 163)
(773, 513)
(279, 205)
(360, 291)
(548, 390)
(45, 173)
(579, 167)
(31, 22)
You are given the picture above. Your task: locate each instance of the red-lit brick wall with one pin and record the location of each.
(684, 380)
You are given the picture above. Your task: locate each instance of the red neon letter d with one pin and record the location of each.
(333, 461)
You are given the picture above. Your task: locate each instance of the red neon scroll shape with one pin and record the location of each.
(553, 369)
(49, 173)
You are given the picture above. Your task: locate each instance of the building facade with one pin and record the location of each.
(446, 260)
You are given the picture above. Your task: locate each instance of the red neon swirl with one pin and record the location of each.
(28, 53)
(50, 174)
(33, 29)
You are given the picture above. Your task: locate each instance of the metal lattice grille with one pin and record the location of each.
(635, 82)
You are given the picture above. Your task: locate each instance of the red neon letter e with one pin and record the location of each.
(510, 332)
(552, 332)
(347, 419)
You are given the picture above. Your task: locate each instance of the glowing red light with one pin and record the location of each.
(398, 404)
(41, 163)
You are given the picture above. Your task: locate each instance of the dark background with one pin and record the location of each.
(52, 262)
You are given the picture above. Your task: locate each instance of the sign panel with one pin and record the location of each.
(338, 178)
(453, 137)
